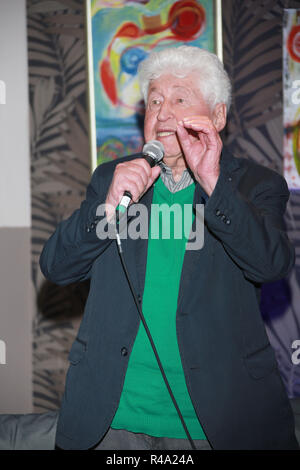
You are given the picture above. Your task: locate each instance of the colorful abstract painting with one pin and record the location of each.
(291, 84)
(123, 33)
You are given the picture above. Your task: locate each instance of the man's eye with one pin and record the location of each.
(155, 102)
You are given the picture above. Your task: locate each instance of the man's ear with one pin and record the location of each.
(219, 115)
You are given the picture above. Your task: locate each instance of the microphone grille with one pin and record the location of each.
(154, 149)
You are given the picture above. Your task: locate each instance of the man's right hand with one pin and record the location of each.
(135, 176)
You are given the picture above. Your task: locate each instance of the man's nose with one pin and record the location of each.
(165, 112)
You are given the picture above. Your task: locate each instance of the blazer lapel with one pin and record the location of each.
(141, 250)
(193, 258)
(135, 250)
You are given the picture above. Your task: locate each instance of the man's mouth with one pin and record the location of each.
(165, 133)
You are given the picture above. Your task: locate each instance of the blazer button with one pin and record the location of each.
(124, 351)
(228, 221)
(223, 217)
(218, 212)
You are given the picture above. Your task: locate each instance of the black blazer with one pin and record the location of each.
(229, 365)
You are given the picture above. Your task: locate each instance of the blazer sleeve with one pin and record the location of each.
(70, 252)
(249, 223)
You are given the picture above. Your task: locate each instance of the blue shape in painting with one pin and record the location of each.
(131, 58)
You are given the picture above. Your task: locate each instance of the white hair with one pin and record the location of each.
(214, 83)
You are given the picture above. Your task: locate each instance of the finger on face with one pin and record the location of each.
(200, 125)
(183, 136)
(195, 118)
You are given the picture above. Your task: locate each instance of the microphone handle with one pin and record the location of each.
(127, 197)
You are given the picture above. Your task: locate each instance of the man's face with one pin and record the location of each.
(170, 99)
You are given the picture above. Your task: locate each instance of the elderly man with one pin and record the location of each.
(202, 306)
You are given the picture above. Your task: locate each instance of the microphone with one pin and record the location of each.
(153, 153)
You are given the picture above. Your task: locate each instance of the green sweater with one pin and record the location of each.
(145, 405)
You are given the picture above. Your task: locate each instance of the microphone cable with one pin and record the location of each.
(148, 331)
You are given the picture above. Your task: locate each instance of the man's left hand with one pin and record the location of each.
(202, 149)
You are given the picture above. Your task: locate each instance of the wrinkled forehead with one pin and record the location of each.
(175, 88)
(188, 84)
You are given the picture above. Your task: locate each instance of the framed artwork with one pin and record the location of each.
(291, 97)
(120, 34)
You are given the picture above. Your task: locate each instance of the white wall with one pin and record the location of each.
(15, 215)
(14, 117)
